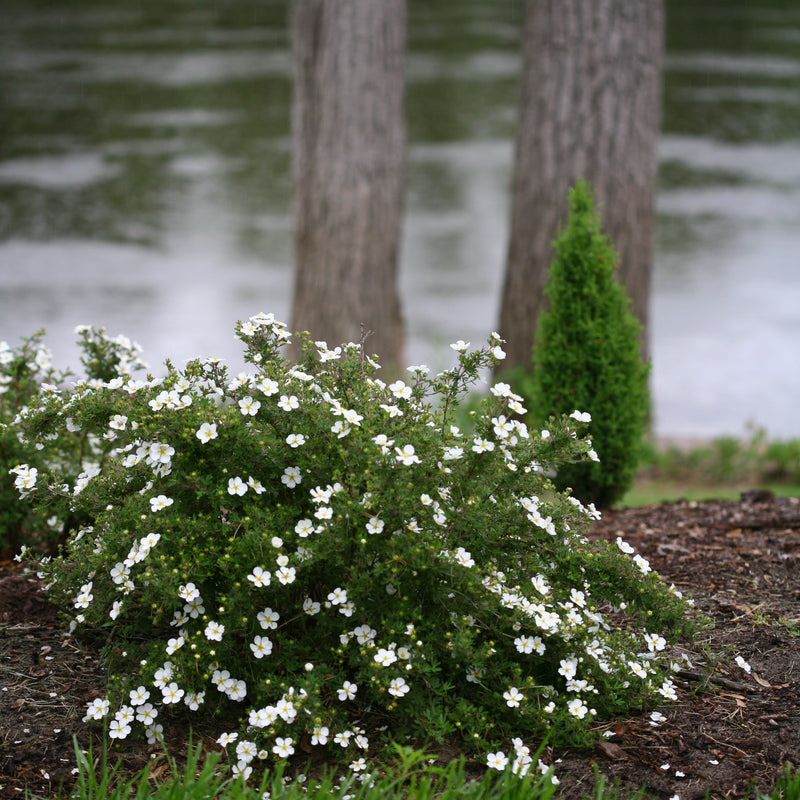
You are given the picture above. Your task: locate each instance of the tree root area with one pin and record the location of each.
(729, 733)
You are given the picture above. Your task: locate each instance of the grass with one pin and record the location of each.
(409, 775)
(720, 469)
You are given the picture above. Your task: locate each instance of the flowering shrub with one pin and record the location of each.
(323, 558)
(26, 377)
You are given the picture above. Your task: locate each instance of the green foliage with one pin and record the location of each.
(726, 461)
(407, 773)
(587, 357)
(316, 556)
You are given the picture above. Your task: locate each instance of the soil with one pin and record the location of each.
(729, 733)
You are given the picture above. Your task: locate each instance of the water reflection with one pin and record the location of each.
(145, 184)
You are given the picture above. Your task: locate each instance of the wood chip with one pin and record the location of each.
(611, 751)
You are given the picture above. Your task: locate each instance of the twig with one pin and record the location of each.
(692, 675)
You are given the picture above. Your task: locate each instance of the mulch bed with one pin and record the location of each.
(729, 733)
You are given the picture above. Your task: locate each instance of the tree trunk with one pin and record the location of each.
(589, 108)
(349, 141)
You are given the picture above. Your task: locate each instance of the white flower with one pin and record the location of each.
(540, 584)
(529, 644)
(352, 417)
(246, 751)
(337, 596)
(288, 403)
(568, 668)
(364, 634)
(400, 390)
(259, 577)
(118, 422)
(286, 575)
(214, 631)
(261, 646)
(385, 657)
(497, 760)
(453, 453)
(375, 525)
(343, 738)
(482, 445)
(291, 477)
(175, 644)
(581, 416)
(268, 619)
(577, 708)
(460, 346)
(311, 607)
(171, 693)
(227, 738)
(248, 406)
(295, 440)
(236, 486)
(237, 690)
(642, 563)
(189, 592)
(503, 428)
(118, 730)
(654, 642)
(406, 455)
(464, 558)
(146, 714)
(268, 387)
(154, 733)
(637, 669)
(206, 432)
(624, 546)
(97, 709)
(398, 687)
(320, 735)
(163, 675)
(667, 690)
(383, 442)
(160, 502)
(348, 691)
(320, 495)
(513, 697)
(743, 664)
(283, 747)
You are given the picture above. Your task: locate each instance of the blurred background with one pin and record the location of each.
(145, 186)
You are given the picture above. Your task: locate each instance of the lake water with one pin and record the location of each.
(145, 185)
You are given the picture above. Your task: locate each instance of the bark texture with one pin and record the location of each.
(349, 141)
(589, 108)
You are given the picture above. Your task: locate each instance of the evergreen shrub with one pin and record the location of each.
(323, 560)
(587, 356)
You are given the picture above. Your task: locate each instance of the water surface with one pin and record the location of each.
(145, 185)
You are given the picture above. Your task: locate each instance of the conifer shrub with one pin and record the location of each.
(587, 356)
(323, 560)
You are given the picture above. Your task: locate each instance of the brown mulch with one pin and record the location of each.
(728, 733)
